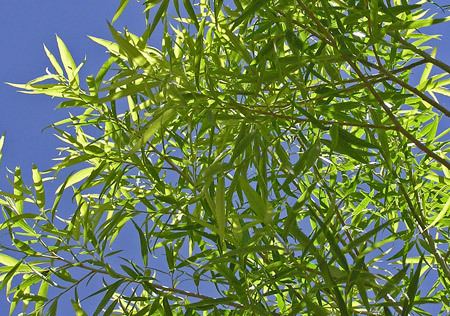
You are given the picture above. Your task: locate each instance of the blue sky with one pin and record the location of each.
(26, 26)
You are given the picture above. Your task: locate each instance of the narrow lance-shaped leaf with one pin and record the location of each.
(199, 53)
(426, 72)
(442, 213)
(10, 274)
(68, 62)
(111, 289)
(77, 308)
(156, 124)
(190, 10)
(308, 158)
(54, 61)
(259, 206)
(7, 260)
(159, 14)
(123, 4)
(39, 187)
(43, 292)
(2, 142)
(76, 177)
(248, 11)
(133, 54)
(143, 243)
(19, 190)
(220, 206)
(408, 301)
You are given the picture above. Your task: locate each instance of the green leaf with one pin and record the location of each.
(418, 24)
(54, 62)
(143, 243)
(77, 308)
(110, 290)
(10, 274)
(134, 55)
(358, 241)
(191, 12)
(8, 260)
(442, 213)
(249, 11)
(39, 187)
(413, 286)
(257, 204)
(112, 47)
(123, 4)
(220, 207)
(154, 126)
(43, 291)
(427, 71)
(332, 240)
(53, 309)
(167, 308)
(308, 158)
(393, 282)
(76, 177)
(19, 190)
(69, 64)
(2, 142)
(161, 11)
(170, 259)
(199, 53)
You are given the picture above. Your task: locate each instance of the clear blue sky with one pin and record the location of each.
(26, 26)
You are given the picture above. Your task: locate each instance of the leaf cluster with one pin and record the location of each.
(270, 157)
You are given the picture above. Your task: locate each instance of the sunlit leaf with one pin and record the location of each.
(69, 64)
(123, 4)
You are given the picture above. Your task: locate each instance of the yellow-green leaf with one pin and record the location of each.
(7, 260)
(68, 62)
(441, 214)
(2, 142)
(18, 190)
(220, 207)
(53, 61)
(259, 206)
(77, 308)
(155, 125)
(39, 187)
(119, 11)
(43, 290)
(110, 46)
(77, 177)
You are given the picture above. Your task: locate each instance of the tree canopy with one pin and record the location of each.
(269, 157)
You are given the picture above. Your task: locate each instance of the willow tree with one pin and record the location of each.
(269, 157)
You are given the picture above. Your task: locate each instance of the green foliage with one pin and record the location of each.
(269, 158)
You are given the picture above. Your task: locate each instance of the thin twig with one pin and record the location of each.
(423, 54)
(324, 122)
(407, 86)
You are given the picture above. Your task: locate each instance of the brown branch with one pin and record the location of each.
(154, 285)
(324, 122)
(173, 165)
(423, 54)
(405, 85)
